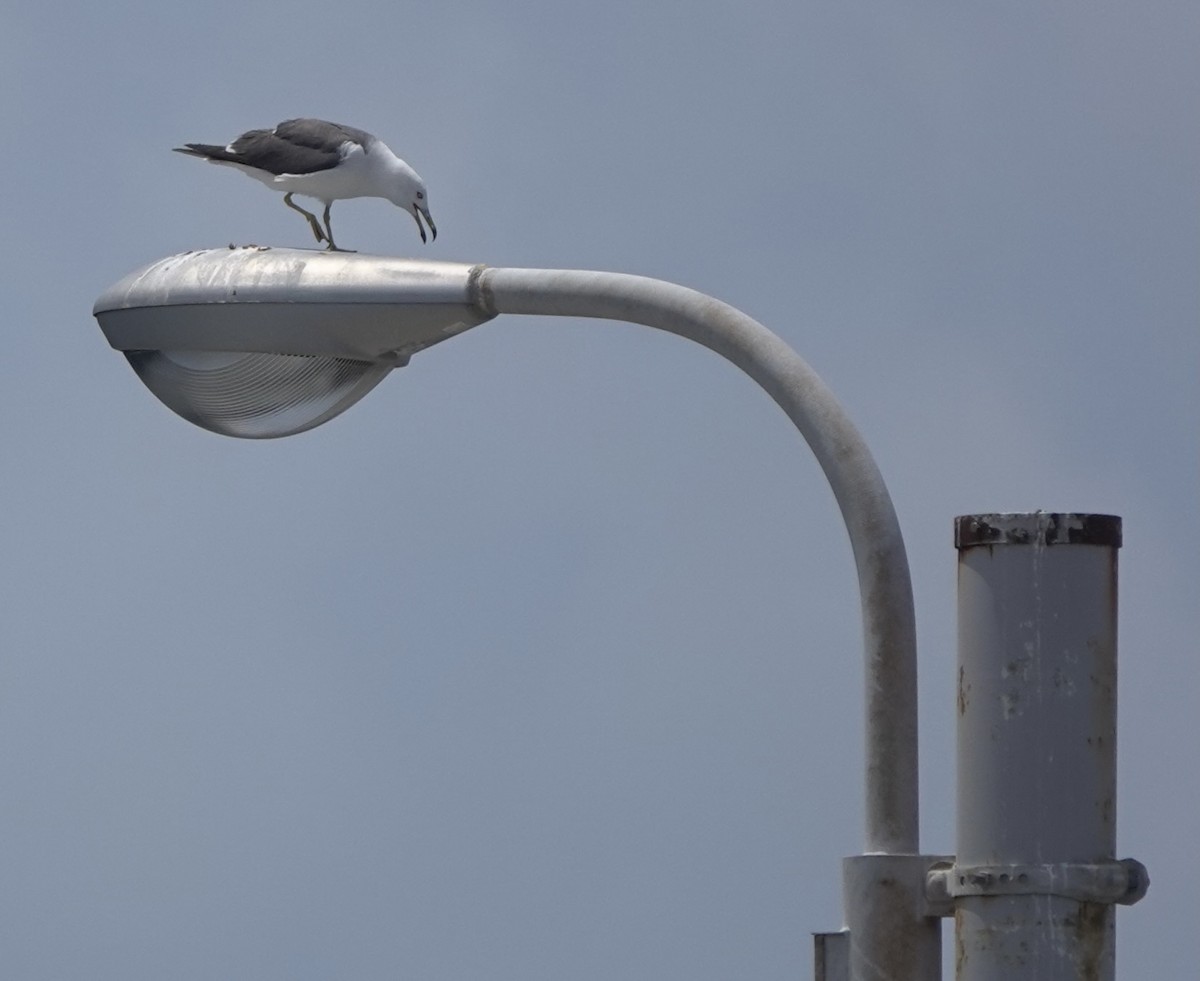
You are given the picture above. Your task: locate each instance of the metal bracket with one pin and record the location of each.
(1123, 882)
(831, 956)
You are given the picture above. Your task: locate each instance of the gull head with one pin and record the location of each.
(408, 192)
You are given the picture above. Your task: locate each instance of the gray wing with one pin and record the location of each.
(317, 134)
(297, 146)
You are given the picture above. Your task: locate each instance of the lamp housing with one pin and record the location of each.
(261, 342)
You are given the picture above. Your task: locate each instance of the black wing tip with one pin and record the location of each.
(197, 149)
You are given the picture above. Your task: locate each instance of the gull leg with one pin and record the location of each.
(312, 219)
(329, 232)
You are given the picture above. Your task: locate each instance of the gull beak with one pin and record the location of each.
(417, 212)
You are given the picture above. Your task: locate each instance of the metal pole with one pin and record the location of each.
(1035, 878)
(890, 935)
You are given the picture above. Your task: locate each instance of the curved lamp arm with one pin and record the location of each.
(884, 584)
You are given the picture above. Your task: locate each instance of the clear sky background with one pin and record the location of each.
(543, 661)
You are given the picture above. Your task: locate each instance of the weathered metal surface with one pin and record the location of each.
(1035, 880)
(1038, 528)
(1123, 882)
(886, 904)
(290, 301)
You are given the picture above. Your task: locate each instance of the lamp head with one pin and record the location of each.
(260, 343)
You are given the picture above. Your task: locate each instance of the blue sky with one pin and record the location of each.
(543, 660)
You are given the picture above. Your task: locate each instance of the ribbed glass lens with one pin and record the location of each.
(255, 396)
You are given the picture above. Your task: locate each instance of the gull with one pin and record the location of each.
(326, 161)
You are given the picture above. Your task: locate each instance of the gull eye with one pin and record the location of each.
(420, 195)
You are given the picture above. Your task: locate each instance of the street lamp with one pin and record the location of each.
(261, 343)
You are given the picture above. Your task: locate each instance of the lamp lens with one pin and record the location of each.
(255, 396)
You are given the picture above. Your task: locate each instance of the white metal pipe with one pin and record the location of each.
(1035, 878)
(889, 932)
(885, 587)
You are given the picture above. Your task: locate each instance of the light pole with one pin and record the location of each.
(267, 342)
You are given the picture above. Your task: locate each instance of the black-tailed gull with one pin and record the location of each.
(325, 161)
